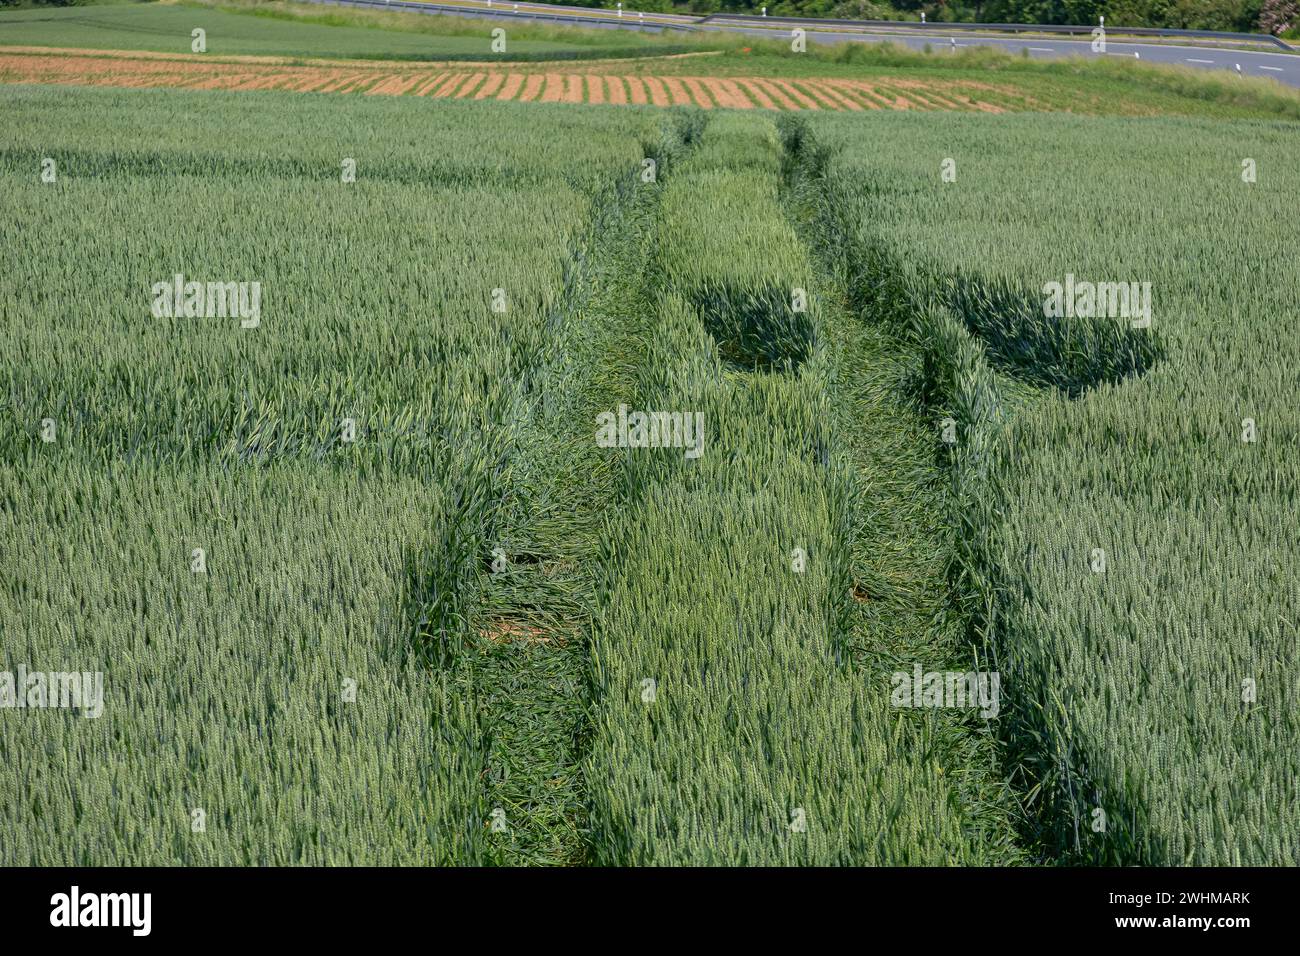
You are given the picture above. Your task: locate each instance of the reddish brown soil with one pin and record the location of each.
(588, 84)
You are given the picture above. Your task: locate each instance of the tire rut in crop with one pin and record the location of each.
(980, 351)
(903, 547)
(523, 572)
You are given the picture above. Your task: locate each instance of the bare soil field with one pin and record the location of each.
(489, 81)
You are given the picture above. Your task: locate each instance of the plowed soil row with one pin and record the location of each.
(480, 81)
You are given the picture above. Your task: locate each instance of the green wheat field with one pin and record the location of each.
(365, 586)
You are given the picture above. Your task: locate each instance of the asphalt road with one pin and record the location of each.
(1284, 67)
